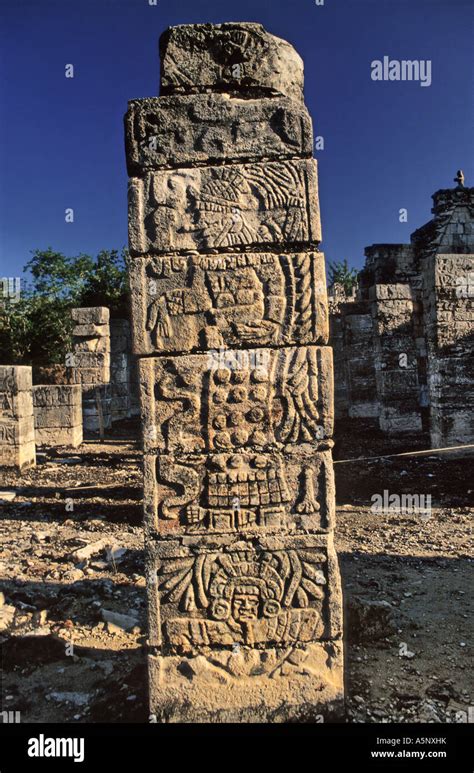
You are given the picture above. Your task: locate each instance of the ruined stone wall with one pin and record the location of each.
(230, 320)
(420, 298)
(17, 431)
(91, 364)
(58, 414)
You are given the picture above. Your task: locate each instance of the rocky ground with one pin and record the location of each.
(72, 617)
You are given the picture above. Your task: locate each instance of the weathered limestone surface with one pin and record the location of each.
(198, 302)
(58, 414)
(91, 364)
(395, 352)
(207, 128)
(91, 346)
(229, 57)
(247, 493)
(238, 205)
(360, 371)
(228, 296)
(17, 431)
(250, 398)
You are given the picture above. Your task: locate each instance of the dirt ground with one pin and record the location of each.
(407, 581)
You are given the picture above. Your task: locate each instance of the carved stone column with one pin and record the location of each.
(230, 322)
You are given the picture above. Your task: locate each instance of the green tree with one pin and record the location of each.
(107, 283)
(341, 273)
(36, 329)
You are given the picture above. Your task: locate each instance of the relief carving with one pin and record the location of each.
(187, 303)
(249, 597)
(224, 206)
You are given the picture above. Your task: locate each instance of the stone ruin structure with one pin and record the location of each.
(58, 414)
(404, 344)
(17, 430)
(104, 366)
(230, 322)
(90, 365)
(123, 372)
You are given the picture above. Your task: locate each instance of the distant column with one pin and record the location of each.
(91, 363)
(17, 429)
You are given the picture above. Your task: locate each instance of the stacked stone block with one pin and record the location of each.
(359, 361)
(420, 299)
(58, 414)
(395, 353)
(91, 364)
(449, 319)
(230, 322)
(120, 353)
(17, 430)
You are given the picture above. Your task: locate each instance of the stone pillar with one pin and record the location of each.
(230, 322)
(91, 364)
(58, 414)
(17, 430)
(120, 347)
(449, 325)
(396, 358)
(358, 353)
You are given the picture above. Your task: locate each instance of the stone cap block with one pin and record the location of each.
(93, 315)
(15, 378)
(237, 56)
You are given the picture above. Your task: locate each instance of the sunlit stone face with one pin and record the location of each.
(245, 606)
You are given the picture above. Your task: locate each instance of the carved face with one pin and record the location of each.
(245, 606)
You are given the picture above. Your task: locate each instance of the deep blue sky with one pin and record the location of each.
(387, 145)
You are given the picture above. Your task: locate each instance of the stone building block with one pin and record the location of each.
(90, 330)
(17, 432)
(237, 494)
(92, 315)
(18, 456)
(18, 404)
(239, 205)
(88, 377)
(229, 57)
(15, 378)
(395, 422)
(209, 128)
(55, 437)
(198, 302)
(294, 574)
(266, 615)
(65, 416)
(17, 437)
(236, 399)
(390, 292)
